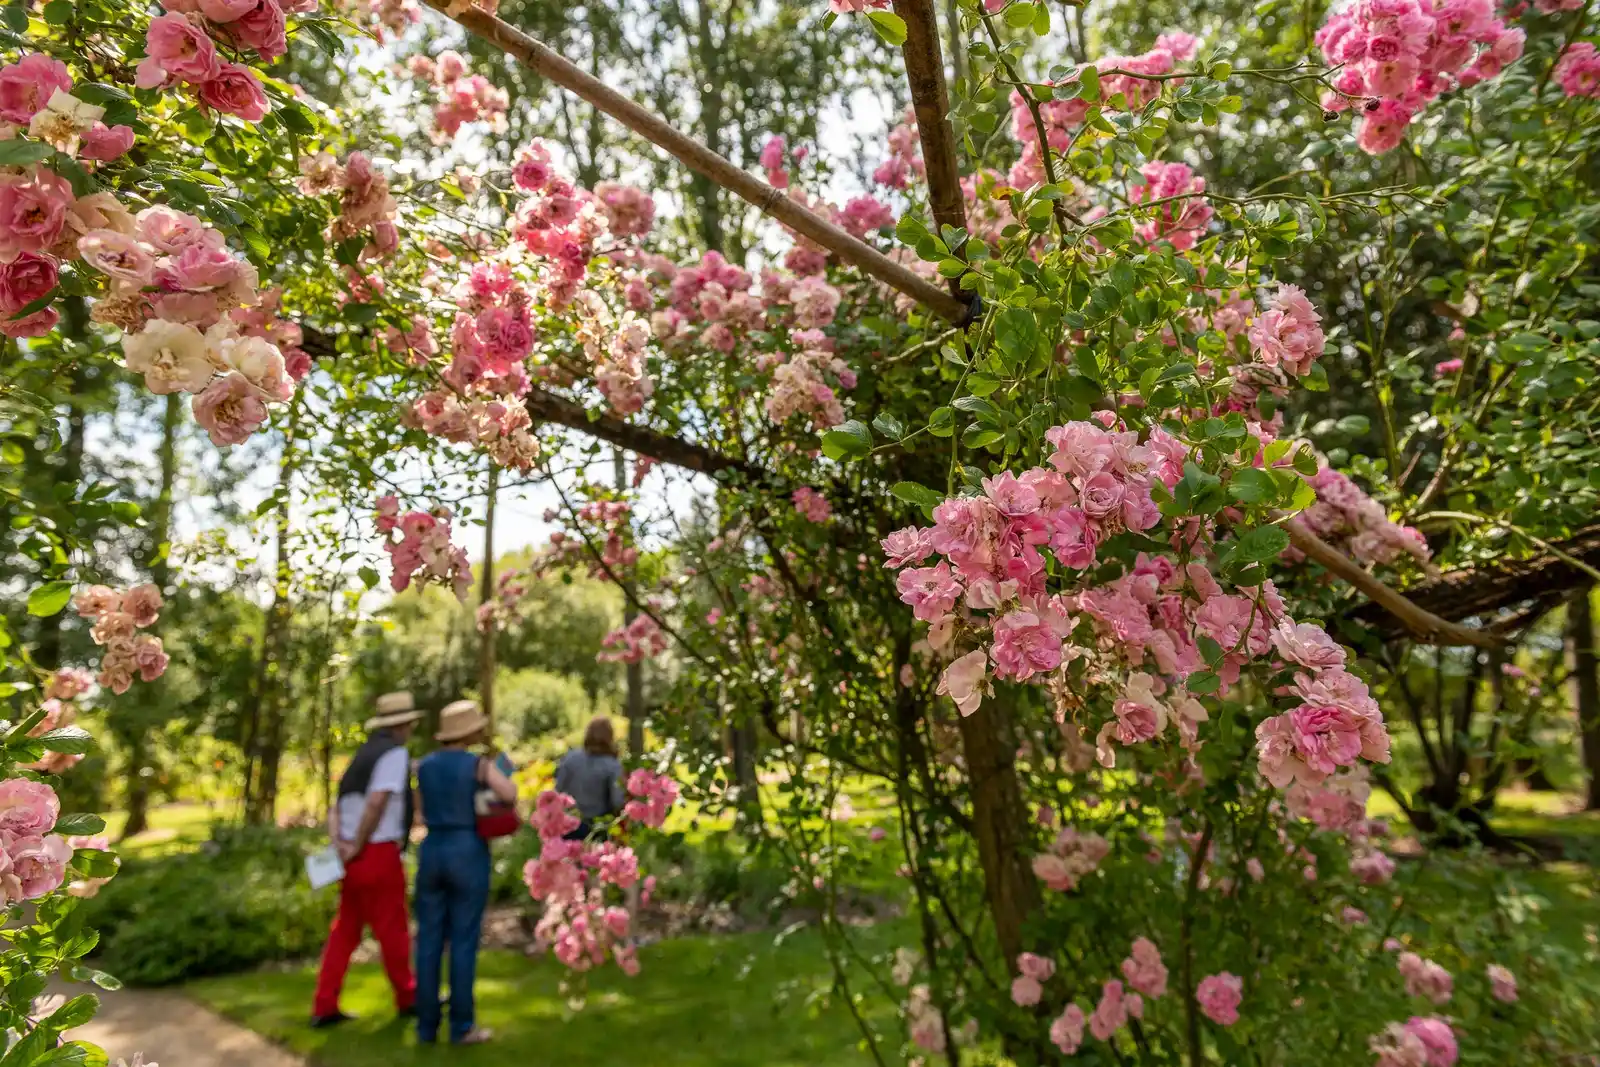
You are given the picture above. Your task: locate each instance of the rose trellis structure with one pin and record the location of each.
(1015, 512)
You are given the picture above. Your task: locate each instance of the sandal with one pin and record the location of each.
(476, 1036)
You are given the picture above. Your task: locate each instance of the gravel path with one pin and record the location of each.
(172, 1030)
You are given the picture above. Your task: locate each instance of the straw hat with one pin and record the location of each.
(394, 709)
(460, 719)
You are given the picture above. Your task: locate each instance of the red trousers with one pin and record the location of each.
(373, 894)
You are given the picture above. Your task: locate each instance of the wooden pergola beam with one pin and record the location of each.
(697, 157)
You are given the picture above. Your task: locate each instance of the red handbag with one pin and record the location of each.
(495, 817)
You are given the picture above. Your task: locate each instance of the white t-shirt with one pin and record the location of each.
(392, 775)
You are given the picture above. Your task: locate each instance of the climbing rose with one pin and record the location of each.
(1502, 984)
(236, 91)
(1578, 70)
(27, 85)
(1144, 970)
(230, 409)
(177, 47)
(1066, 1033)
(1425, 978)
(965, 681)
(27, 808)
(1218, 996)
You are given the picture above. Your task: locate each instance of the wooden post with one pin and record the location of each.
(700, 159)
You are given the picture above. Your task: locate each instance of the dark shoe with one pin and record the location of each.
(408, 1012)
(322, 1022)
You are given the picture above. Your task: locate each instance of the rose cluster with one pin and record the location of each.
(459, 97)
(635, 642)
(1346, 516)
(1063, 117)
(1578, 70)
(571, 877)
(117, 617)
(1183, 217)
(33, 861)
(181, 49)
(366, 206)
(1400, 54)
(423, 550)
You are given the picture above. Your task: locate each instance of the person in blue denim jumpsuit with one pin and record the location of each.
(452, 885)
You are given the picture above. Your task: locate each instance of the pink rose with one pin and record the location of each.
(33, 211)
(143, 602)
(96, 600)
(118, 257)
(1437, 1039)
(230, 409)
(170, 231)
(36, 325)
(38, 866)
(236, 91)
(225, 10)
(965, 681)
(177, 47)
(1502, 984)
(1101, 495)
(1307, 645)
(1066, 1033)
(24, 280)
(262, 28)
(104, 143)
(27, 85)
(202, 267)
(27, 807)
(1218, 996)
(1024, 645)
(1144, 970)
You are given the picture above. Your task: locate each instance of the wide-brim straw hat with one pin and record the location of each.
(394, 709)
(460, 719)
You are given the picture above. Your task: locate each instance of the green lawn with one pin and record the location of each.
(699, 1002)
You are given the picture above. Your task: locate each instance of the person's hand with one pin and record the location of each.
(348, 850)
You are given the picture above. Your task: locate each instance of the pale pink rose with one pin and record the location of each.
(104, 143)
(173, 357)
(143, 602)
(68, 683)
(261, 364)
(113, 628)
(1218, 996)
(1502, 984)
(33, 211)
(1024, 645)
(27, 808)
(966, 680)
(1307, 645)
(1372, 868)
(171, 232)
(1111, 1014)
(1144, 970)
(236, 91)
(230, 409)
(1425, 978)
(101, 211)
(38, 864)
(24, 280)
(1025, 991)
(1066, 1033)
(27, 85)
(1436, 1037)
(117, 256)
(177, 47)
(96, 600)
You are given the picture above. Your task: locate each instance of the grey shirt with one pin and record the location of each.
(595, 782)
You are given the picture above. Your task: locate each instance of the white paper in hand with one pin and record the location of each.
(323, 867)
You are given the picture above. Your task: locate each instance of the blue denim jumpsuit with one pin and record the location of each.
(452, 889)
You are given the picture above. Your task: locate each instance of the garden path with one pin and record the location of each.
(172, 1030)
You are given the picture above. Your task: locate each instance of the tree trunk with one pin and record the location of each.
(486, 596)
(273, 674)
(707, 194)
(999, 819)
(156, 561)
(635, 671)
(1586, 687)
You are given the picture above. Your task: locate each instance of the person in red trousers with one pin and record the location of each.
(370, 826)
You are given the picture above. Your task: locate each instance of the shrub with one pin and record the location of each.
(239, 901)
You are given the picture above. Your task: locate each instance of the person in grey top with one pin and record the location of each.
(592, 776)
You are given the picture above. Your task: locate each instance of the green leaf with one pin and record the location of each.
(16, 18)
(58, 12)
(369, 577)
(20, 153)
(917, 495)
(75, 1012)
(109, 982)
(80, 823)
(1354, 425)
(891, 27)
(888, 425)
(49, 598)
(1090, 77)
(72, 740)
(1261, 544)
(1203, 682)
(1252, 486)
(851, 440)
